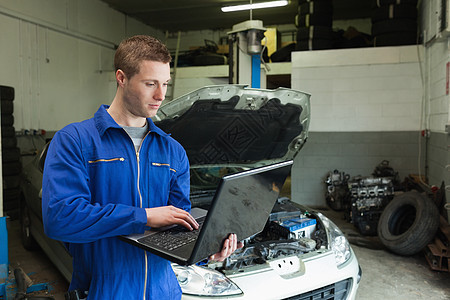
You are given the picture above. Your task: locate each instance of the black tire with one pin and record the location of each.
(11, 200)
(394, 12)
(7, 107)
(10, 154)
(300, 2)
(380, 3)
(6, 92)
(12, 195)
(8, 131)
(209, 59)
(9, 142)
(11, 168)
(395, 39)
(316, 44)
(317, 20)
(12, 214)
(408, 223)
(9, 205)
(283, 54)
(7, 120)
(390, 26)
(314, 32)
(315, 8)
(11, 182)
(28, 240)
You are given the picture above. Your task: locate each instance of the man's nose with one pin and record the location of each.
(160, 92)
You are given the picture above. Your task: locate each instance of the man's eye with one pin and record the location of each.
(150, 84)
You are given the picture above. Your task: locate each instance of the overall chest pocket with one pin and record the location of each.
(159, 181)
(110, 176)
(104, 164)
(162, 172)
(99, 161)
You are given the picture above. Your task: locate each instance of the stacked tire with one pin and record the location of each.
(314, 25)
(11, 164)
(394, 22)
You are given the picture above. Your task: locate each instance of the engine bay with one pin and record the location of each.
(289, 231)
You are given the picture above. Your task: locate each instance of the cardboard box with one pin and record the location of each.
(223, 49)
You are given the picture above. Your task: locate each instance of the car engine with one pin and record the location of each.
(369, 196)
(362, 198)
(337, 190)
(289, 231)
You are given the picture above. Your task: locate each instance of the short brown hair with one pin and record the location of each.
(137, 48)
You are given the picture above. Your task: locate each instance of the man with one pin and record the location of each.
(113, 175)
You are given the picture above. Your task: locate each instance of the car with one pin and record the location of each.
(300, 254)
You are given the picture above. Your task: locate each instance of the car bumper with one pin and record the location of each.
(315, 276)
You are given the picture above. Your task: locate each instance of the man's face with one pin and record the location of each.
(144, 92)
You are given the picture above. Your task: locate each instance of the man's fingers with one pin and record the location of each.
(168, 215)
(182, 217)
(240, 245)
(193, 221)
(185, 219)
(226, 249)
(229, 246)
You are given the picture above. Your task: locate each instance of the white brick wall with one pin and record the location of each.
(438, 102)
(59, 57)
(367, 89)
(436, 57)
(189, 79)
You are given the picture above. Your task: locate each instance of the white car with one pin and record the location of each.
(300, 254)
(279, 270)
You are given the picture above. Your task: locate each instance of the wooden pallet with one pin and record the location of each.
(438, 252)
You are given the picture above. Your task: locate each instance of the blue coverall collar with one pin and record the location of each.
(103, 121)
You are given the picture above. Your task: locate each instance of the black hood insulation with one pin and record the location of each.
(213, 132)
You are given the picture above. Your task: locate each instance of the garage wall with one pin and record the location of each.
(437, 99)
(436, 118)
(366, 89)
(377, 114)
(192, 78)
(355, 153)
(365, 108)
(58, 55)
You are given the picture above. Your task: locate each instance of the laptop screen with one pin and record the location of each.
(242, 205)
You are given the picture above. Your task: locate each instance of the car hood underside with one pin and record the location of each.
(236, 125)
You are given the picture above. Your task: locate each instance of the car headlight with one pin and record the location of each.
(202, 281)
(338, 242)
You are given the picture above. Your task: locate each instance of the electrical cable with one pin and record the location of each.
(422, 112)
(266, 66)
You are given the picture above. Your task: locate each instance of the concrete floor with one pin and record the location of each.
(385, 275)
(35, 264)
(389, 276)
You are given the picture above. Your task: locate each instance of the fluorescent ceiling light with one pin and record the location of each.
(255, 6)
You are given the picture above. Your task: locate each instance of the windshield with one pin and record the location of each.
(206, 179)
(204, 182)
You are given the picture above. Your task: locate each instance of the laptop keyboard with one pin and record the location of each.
(173, 238)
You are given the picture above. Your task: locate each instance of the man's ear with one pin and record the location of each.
(120, 77)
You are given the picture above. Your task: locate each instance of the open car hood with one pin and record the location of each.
(234, 124)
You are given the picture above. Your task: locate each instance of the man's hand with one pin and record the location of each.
(229, 246)
(169, 215)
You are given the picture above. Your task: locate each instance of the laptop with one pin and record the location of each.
(242, 204)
